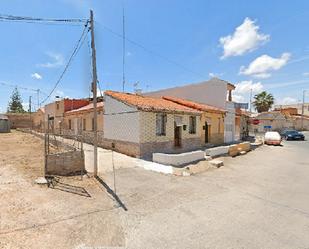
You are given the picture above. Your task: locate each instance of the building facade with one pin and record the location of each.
(212, 120)
(214, 92)
(55, 112)
(81, 122)
(140, 126)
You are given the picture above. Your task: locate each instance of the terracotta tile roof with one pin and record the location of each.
(146, 103)
(86, 108)
(194, 105)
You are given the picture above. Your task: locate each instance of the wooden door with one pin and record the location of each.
(177, 136)
(206, 133)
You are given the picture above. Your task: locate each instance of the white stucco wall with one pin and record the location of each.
(121, 122)
(212, 92)
(229, 123)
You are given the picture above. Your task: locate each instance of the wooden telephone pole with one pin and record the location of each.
(94, 91)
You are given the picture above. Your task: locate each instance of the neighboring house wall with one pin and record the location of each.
(215, 123)
(39, 120)
(20, 120)
(212, 92)
(229, 123)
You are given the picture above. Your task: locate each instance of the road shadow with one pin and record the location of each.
(55, 183)
(111, 192)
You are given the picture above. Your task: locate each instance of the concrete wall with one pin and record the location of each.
(66, 163)
(19, 120)
(178, 159)
(121, 122)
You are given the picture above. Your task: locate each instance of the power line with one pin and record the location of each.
(153, 52)
(41, 20)
(75, 51)
(22, 88)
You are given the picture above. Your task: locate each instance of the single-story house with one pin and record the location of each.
(139, 126)
(212, 120)
(81, 122)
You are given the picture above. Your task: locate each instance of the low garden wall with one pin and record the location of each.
(178, 159)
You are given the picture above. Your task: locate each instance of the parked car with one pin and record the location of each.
(293, 135)
(272, 137)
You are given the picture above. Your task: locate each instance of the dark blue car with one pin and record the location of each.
(293, 135)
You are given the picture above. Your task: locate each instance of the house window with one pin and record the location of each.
(57, 105)
(92, 127)
(219, 125)
(192, 124)
(84, 124)
(161, 124)
(70, 124)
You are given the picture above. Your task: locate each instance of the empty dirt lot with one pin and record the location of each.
(259, 200)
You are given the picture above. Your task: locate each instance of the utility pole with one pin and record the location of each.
(30, 111)
(123, 49)
(250, 100)
(303, 110)
(94, 91)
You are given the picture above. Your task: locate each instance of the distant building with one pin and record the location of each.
(81, 122)
(55, 111)
(297, 106)
(280, 119)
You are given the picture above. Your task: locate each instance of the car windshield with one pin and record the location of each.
(292, 132)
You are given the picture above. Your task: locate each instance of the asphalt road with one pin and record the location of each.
(259, 200)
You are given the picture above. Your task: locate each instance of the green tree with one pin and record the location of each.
(15, 104)
(263, 101)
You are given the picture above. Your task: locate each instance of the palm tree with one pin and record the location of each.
(263, 101)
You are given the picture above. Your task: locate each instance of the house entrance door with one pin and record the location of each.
(177, 136)
(206, 133)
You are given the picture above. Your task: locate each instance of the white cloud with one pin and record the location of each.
(262, 66)
(245, 38)
(238, 98)
(287, 101)
(246, 86)
(57, 58)
(36, 76)
(243, 89)
(306, 74)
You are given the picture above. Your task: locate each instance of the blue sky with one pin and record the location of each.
(263, 45)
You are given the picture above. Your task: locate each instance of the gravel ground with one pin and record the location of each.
(74, 213)
(259, 200)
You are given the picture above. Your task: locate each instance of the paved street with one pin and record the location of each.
(259, 200)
